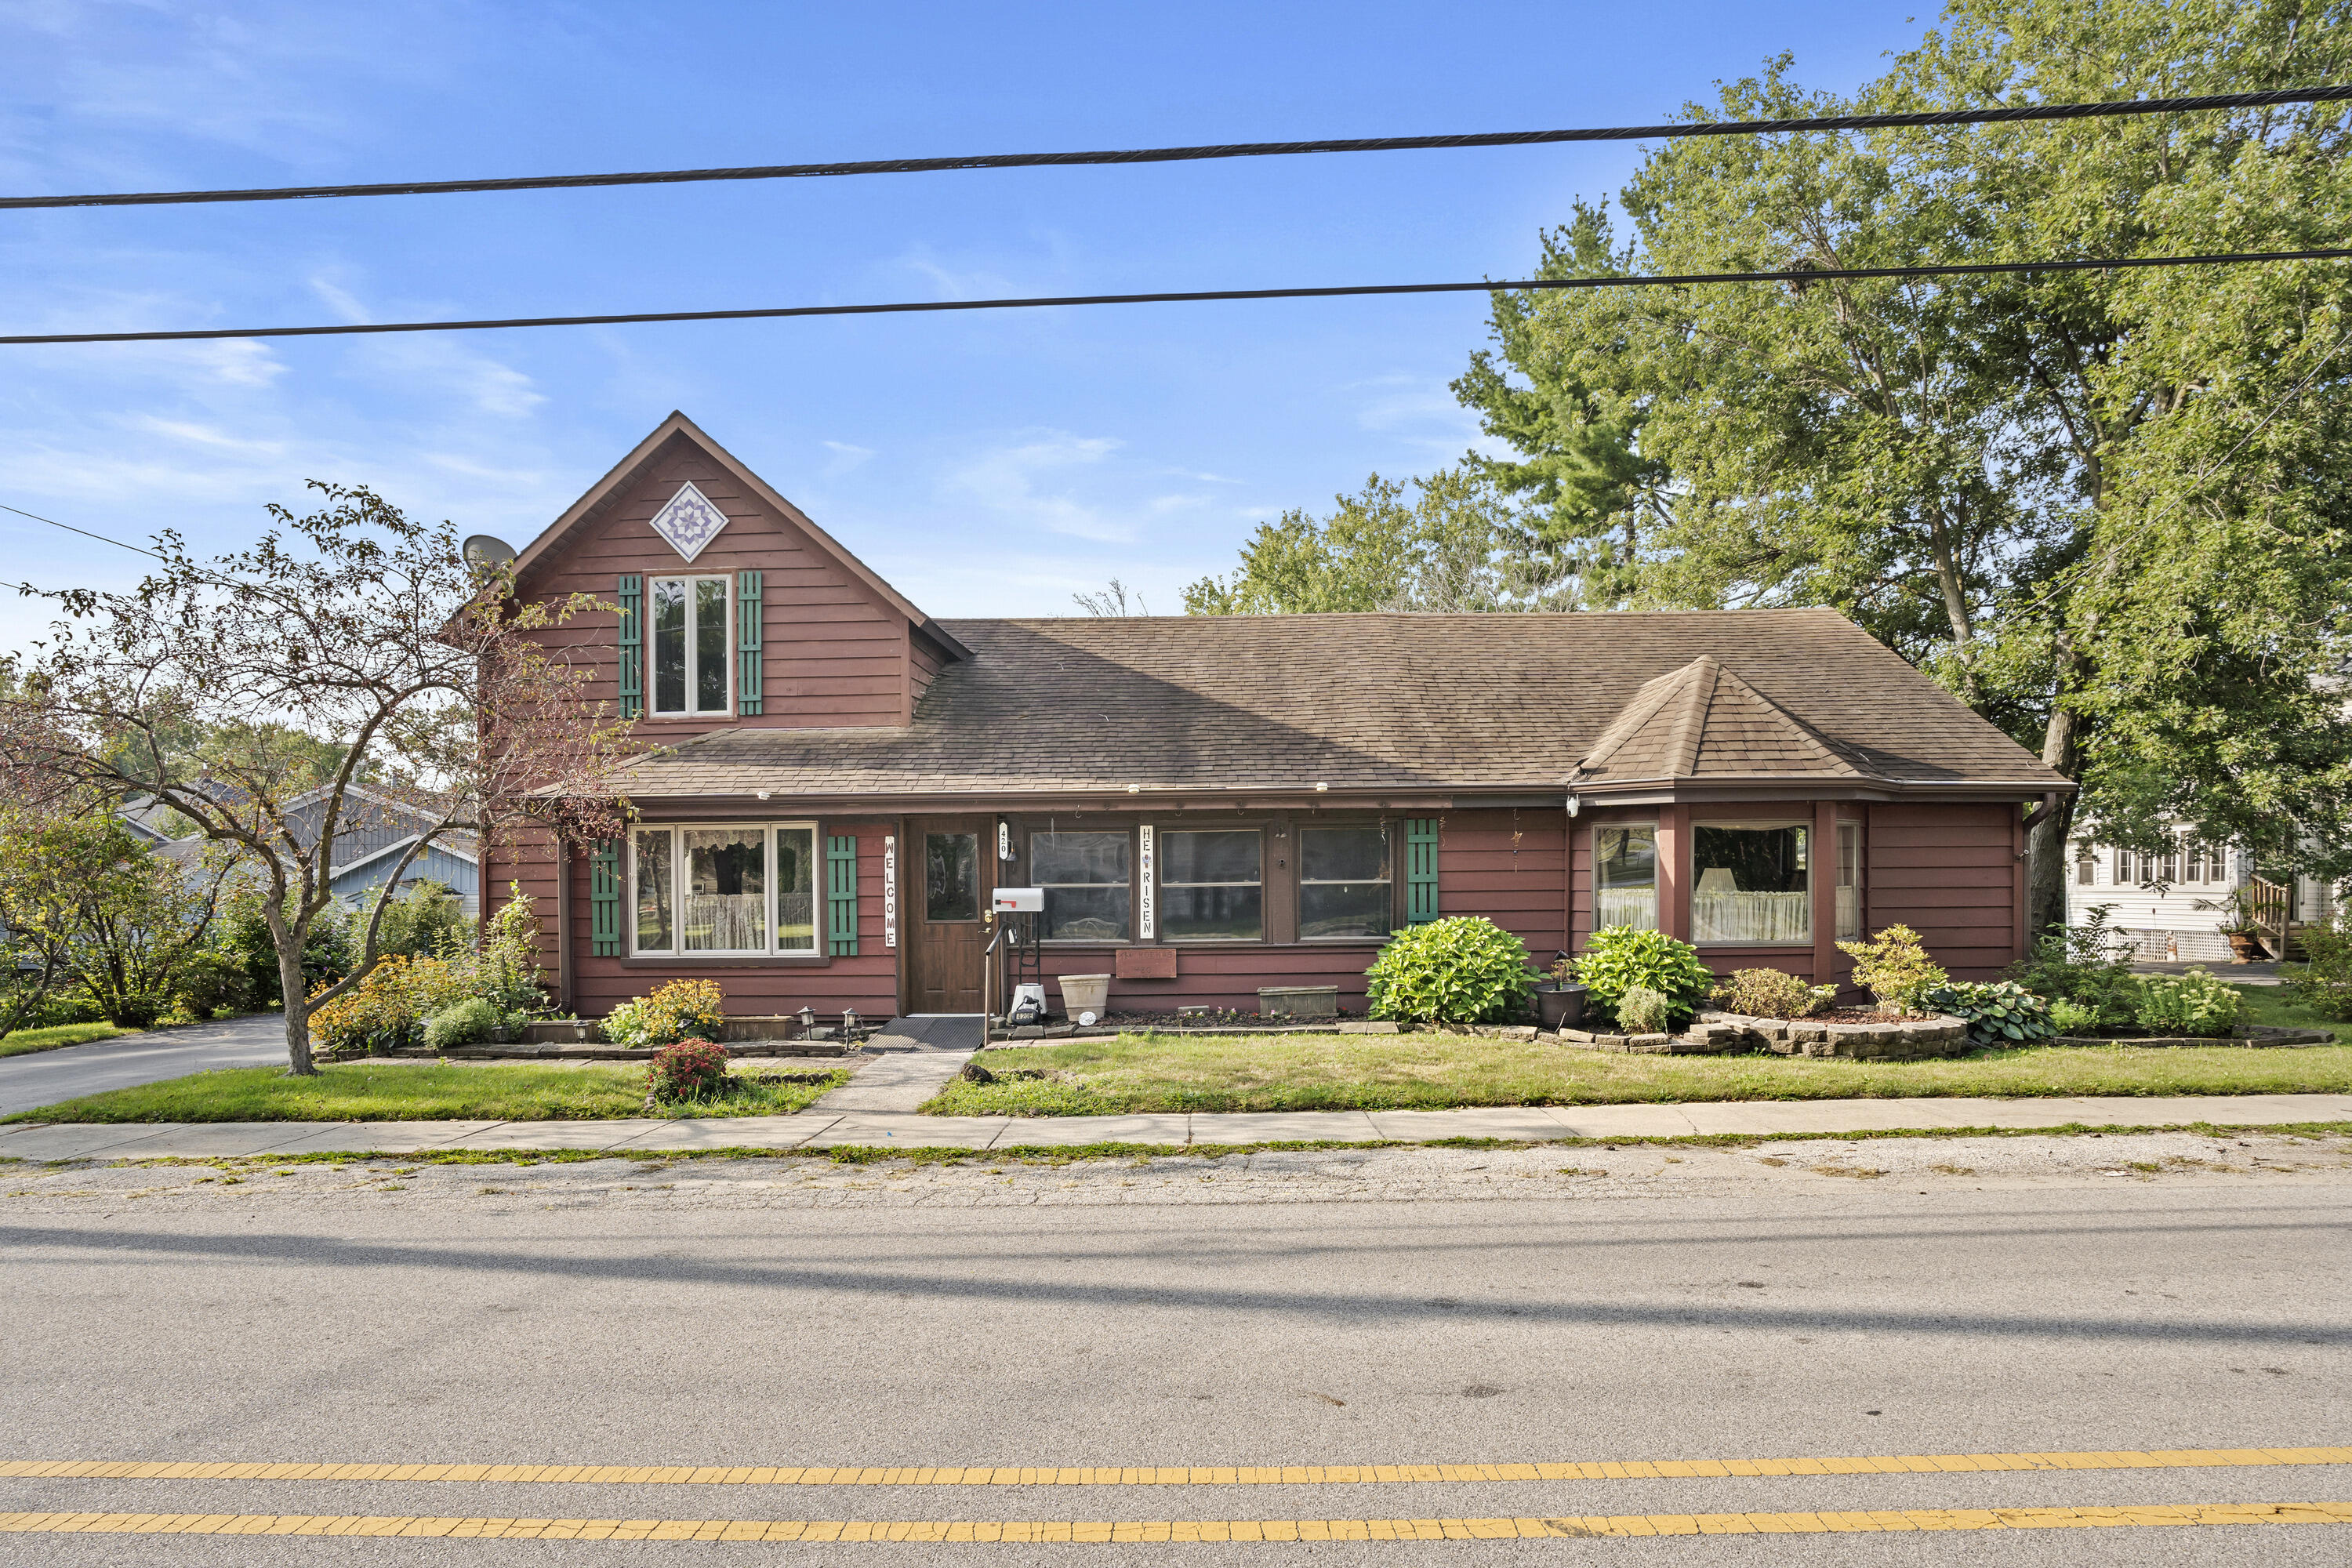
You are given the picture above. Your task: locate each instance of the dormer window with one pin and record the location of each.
(689, 647)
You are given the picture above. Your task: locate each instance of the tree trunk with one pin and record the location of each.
(2045, 847)
(298, 1014)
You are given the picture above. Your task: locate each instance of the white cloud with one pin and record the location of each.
(1030, 483)
(846, 458)
(441, 366)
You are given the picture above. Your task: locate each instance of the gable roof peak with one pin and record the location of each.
(1701, 719)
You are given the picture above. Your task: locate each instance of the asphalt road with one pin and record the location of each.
(1345, 1306)
(44, 1077)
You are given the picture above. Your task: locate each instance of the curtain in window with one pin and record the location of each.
(1625, 877)
(726, 902)
(796, 889)
(1752, 884)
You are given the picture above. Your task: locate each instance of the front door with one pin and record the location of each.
(950, 863)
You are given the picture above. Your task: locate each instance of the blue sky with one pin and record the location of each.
(987, 465)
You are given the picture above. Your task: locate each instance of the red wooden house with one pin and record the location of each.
(1213, 805)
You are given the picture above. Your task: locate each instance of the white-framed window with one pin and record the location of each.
(709, 891)
(688, 663)
(1752, 882)
(1849, 881)
(1625, 876)
(2086, 865)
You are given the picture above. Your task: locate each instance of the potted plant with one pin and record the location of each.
(2237, 924)
(1559, 1001)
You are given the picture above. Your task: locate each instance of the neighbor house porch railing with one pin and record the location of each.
(2270, 905)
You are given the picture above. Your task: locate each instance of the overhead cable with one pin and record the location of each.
(2006, 115)
(1798, 277)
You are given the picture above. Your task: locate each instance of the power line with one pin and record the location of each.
(85, 533)
(1798, 277)
(1228, 150)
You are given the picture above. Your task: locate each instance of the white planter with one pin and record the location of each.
(1086, 994)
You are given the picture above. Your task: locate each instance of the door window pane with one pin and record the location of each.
(1625, 876)
(1750, 884)
(796, 889)
(726, 902)
(670, 645)
(950, 876)
(1849, 882)
(1087, 883)
(654, 891)
(1343, 882)
(710, 645)
(1211, 885)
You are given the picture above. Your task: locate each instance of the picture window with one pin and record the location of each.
(724, 891)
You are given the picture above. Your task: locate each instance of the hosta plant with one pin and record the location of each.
(1997, 1013)
(1618, 958)
(1462, 969)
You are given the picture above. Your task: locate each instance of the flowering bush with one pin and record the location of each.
(1769, 993)
(680, 1010)
(387, 1009)
(1462, 969)
(1894, 967)
(690, 1070)
(2191, 1004)
(1616, 959)
(1999, 1013)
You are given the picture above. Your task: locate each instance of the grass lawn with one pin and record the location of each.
(2277, 1006)
(50, 1039)
(389, 1092)
(1433, 1072)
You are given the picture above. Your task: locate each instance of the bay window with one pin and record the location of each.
(738, 891)
(1345, 889)
(1625, 876)
(689, 646)
(1751, 883)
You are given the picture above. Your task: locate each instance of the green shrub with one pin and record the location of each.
(680, 1010)
(2083, 964)
(1618, 958)
(688, 1069)
(1894, 967)
(1769, 993)
(467, 1023)
(1462, 969)
(1997, 1013)
(2191, 1004)
(1641, 1011)
(211, 982)
(2325, 984)
(424, 920)
(2074, 1017)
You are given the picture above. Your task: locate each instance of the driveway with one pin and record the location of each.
(44, 1077)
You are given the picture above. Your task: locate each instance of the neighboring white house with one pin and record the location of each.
(2182, 921)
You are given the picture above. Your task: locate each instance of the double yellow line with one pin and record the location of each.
(1049, 1532)
(1173, 1476)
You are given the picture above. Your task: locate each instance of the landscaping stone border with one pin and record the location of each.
(1717, 1034)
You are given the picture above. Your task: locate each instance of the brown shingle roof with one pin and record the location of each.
(1380, 701)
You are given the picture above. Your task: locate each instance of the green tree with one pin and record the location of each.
(1451, 542)
(2107, 509)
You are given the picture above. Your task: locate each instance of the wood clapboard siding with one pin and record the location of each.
(1949, 873)
(1509, 867)
(1222, 975)
(835, 654)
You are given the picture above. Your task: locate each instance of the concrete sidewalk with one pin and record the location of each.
(826, 1130)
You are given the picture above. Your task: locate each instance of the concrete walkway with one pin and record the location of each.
(44, 1077)
(907, 1065)
(820, 1129)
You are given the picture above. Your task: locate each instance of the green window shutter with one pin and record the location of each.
(747, 649)
(633, 648)
(841, 896)
(604, 898)
(1420, 870)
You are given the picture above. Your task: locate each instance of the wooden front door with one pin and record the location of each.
(950, 872)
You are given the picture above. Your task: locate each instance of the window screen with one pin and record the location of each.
(1086, 884)
(1211, 886)
(1344, 886)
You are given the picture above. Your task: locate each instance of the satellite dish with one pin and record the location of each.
(485, 553)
